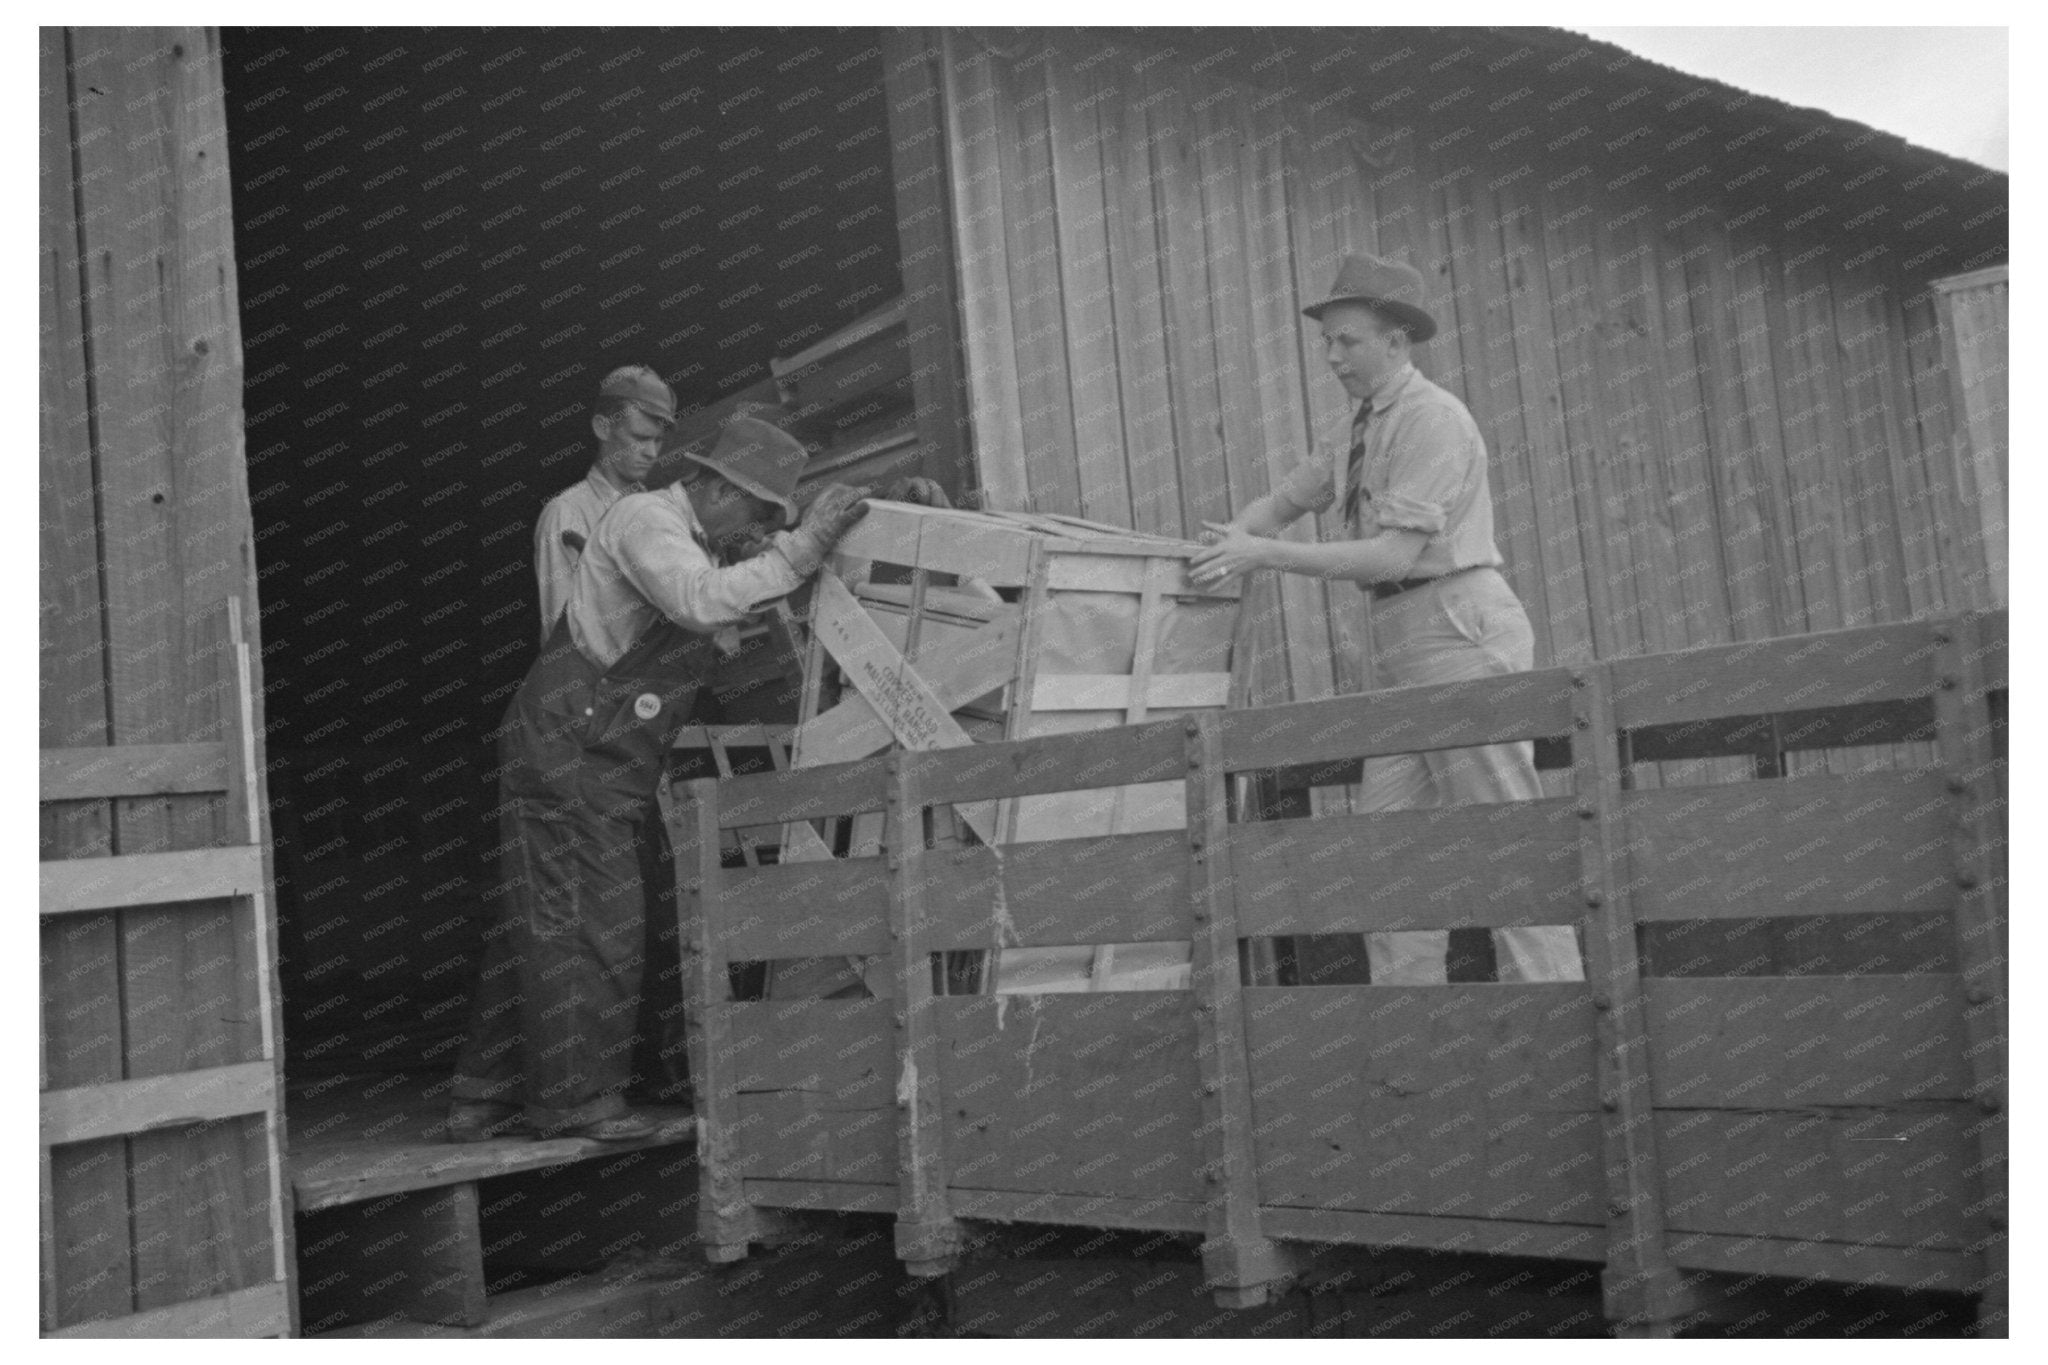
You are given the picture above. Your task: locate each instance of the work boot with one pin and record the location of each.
(487, 1121)
(629, 1126)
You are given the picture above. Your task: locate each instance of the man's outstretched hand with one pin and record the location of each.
(1227, 551)
(831, 514)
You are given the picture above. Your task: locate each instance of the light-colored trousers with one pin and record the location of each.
(1469, 625)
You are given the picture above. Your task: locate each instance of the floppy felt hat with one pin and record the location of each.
(644, 389)
(759, 458)
(1394, 288)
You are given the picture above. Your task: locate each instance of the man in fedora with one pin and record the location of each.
(1409, 471)
(634, 407)
(581, 751)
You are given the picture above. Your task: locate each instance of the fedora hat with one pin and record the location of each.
(759, 458)
(1393, 288)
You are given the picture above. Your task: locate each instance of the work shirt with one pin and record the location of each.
(1424, 470)
(648, 560)
(577, 509)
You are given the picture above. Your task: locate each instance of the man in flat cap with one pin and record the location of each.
(581, 752)
(634, 407)
(1410, 471)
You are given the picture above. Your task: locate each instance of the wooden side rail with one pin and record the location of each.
(1790, 673)
(1844, 1127)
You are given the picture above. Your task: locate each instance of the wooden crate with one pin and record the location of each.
(935, 628)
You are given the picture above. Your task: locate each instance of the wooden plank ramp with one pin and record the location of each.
(394, 1219)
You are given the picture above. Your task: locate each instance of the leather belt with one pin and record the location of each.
(1382, 591)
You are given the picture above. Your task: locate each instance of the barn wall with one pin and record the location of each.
(1703, 427)
(1974, 323)
(145, 534)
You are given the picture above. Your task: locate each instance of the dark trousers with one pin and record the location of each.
(558, 1005)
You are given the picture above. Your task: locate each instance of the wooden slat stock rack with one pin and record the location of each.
(1843, 1127)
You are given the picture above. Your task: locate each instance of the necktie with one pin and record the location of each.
(1354, 473)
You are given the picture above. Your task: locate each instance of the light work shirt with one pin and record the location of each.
(1425, 470)
(648, 560)
(577, 508)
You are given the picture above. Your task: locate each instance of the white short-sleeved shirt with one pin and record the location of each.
(1425, 470)
(577, 508)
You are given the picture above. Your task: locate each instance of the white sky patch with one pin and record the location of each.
(1943, 88)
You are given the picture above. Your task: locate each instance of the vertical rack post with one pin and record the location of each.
(1641, 1288)
(927, 1235)
(1964, 729)
(1034, 603)
(726, 1222)
(1240, 1264)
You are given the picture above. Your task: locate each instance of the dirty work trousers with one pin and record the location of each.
(1465, 625)
(557, 1009)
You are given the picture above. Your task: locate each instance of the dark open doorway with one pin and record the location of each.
(443, 240)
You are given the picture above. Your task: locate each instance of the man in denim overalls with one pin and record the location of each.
(581, 752)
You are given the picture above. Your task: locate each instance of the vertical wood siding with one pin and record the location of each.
(145, 532)
(1701, 430)
(1973, 323)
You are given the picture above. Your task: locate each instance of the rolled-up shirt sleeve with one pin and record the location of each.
(666, 566)
(1432, 461)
